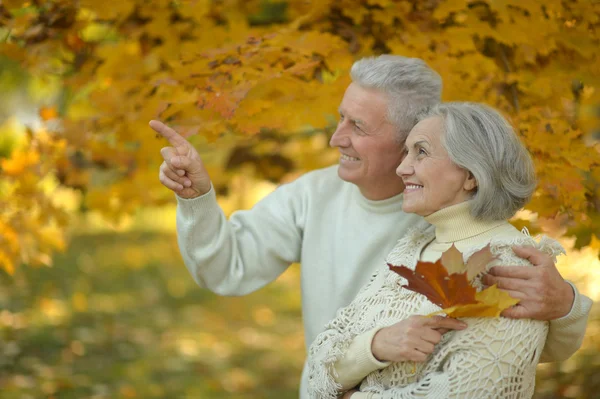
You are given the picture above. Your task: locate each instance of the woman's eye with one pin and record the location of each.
(421, 152)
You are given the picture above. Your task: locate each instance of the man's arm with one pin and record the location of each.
(566, 333)
(545, 295)
(228, 257)
(243, 254)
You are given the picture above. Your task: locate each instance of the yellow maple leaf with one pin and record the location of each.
(490, 303)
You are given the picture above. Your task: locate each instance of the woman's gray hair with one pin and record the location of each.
(410, 84)
(479, 139)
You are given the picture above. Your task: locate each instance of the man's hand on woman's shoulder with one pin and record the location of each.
(543, 293)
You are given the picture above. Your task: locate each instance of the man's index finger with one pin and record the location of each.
(171, 135)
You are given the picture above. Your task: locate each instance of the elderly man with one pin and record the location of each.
(337, 220)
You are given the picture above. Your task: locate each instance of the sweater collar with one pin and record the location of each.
(392, 204)
(456, 223)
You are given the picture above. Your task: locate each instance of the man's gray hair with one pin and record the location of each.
(410, 84)
(479, 139)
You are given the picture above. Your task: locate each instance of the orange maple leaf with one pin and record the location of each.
(446, 283)
(433, 281)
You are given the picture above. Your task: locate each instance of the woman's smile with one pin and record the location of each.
(411, 188)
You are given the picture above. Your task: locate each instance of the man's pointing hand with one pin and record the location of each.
(182, 170)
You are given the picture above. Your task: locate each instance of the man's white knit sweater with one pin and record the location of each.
(339, 237)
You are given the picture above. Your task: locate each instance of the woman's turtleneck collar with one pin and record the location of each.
(456, 223)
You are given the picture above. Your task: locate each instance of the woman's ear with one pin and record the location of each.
(470, 183)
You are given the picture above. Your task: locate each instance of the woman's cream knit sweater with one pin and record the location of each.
(491, 358)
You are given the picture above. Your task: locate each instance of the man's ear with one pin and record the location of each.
(470, 183)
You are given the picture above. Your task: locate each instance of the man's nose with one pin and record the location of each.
(340, 137)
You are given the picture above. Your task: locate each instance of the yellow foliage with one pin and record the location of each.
(20, 161)
(7, 263)
(211, 70)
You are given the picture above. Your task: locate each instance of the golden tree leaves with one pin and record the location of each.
(31, 224)
(19, 163)
(240, 69)
(446, 283)
(279, 66)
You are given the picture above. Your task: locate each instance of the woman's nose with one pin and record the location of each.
(405, 168)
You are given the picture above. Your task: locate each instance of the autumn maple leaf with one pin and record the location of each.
(433, 281)
(447, 283)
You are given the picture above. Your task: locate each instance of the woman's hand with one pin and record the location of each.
(412, 339)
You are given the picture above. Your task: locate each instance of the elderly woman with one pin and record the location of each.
(467, 173)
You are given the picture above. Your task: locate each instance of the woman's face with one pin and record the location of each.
(432, 181)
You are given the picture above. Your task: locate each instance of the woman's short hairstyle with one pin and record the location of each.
(409, 83)
(479, 139)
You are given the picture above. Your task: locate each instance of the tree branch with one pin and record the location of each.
(513, 87)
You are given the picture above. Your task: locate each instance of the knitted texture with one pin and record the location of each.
(491, 358)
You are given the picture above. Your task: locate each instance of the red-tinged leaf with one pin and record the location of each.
(433, 281)
(453, 291)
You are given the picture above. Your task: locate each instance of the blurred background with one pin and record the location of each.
(95, 301)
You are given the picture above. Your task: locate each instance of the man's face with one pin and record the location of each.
(369, 151)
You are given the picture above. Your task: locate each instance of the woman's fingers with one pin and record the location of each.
(433, 335)
(424, 346)
(413, 338)
(445, 322)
